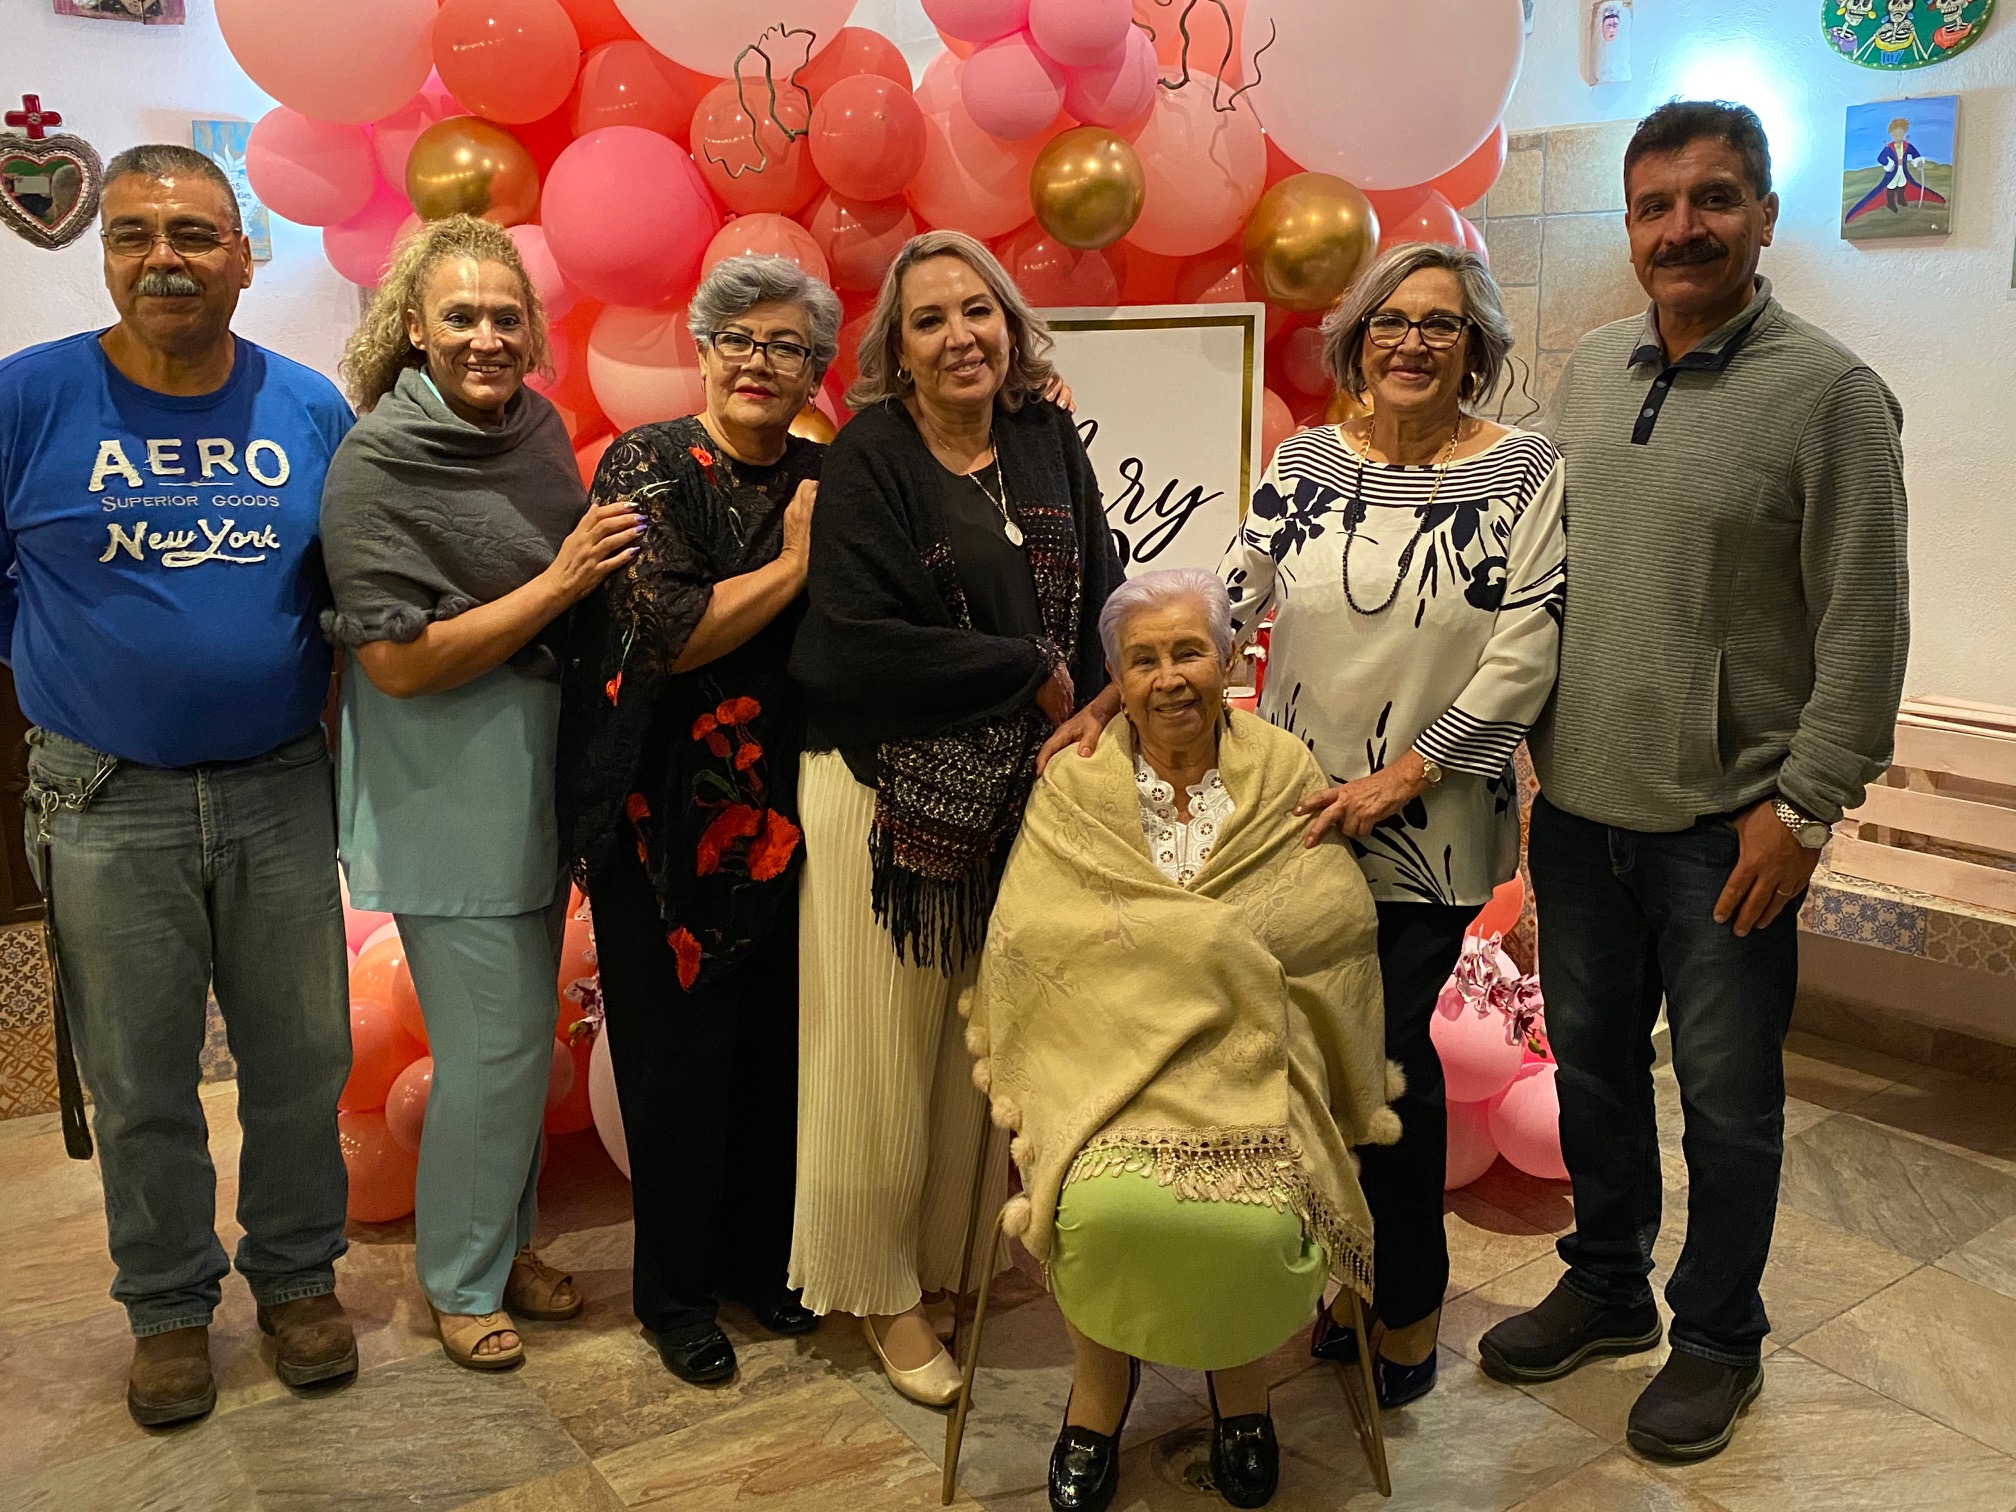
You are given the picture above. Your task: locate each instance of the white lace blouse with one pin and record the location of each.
(1179, 848)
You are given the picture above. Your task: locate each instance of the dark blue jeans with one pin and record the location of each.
(1627, 918)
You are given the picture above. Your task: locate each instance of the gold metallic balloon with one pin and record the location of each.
(812, 425)
(1309, 236)
(1087, 187)
(466, 166)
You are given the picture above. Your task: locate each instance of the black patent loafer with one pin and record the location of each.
(1085, 1465)
(706, 1360)
(1397, 1385)
(1245, 1458)
(1565, 1331)
(1333, 1341)
(783, 1313)
(1689, 1411)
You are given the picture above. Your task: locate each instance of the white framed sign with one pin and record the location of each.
(1169, 402)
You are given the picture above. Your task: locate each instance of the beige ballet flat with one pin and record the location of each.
(932, 1384)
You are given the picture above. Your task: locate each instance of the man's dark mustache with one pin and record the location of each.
(159, 283)
(1688, 254)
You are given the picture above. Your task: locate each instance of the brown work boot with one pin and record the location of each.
(170, 1381)
(314, 1345)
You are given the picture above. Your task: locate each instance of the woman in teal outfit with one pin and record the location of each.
(456, 530)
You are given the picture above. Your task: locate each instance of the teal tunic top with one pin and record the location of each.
(445, 801)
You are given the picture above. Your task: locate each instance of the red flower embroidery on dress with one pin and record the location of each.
(704, 726)
(686, 952)
(737, 711)
(748, 756)
(636, 807)
(769, 855)
(718, 743)
(737, 822)
(613, 687)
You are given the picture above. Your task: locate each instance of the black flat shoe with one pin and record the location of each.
(1398, 1384)
(1545, 1342)
(783, 1313)
(1084, 1465)
(1689, 1411)
(1333, 1341)
(704, 1361)
(1245, 1459)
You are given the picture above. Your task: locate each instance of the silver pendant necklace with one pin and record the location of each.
(1000, 501)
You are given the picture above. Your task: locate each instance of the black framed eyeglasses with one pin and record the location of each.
(1439, 332)
(787, 358)
(183, 241)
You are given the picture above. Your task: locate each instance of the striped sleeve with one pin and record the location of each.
(1248, 566)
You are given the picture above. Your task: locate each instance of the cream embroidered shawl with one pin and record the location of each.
(1229, 1037)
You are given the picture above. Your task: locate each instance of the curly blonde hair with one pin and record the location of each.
(379, 349)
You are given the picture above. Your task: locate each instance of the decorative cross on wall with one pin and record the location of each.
(34, 117)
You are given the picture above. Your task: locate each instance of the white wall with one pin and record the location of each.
(1936, 318)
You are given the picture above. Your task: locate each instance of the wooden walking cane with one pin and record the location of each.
(1364, 1403)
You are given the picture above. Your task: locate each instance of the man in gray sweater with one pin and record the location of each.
(1731, 661)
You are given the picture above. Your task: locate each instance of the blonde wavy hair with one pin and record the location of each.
(883, 375)
(379, 350)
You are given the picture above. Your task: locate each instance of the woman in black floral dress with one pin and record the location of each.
(680, 738)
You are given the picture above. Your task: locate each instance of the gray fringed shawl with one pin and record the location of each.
(425, 516)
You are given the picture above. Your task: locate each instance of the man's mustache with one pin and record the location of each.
(1703, 250)
(161, 283)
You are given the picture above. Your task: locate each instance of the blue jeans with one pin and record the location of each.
(162, 882)
(1626, 918)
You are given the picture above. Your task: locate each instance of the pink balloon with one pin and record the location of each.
(389, 930)
(1204, 167)
(867, 137)
(625, 83)
(767, 236)
(1078, 33)
(406, 1104)
(358, 924)
(937, 88)
(556, 295)
(348, 63)
(393, 136)
(1477, 1062)
(1011, 90)
(1302, 360)
(1277, 424)
(314, 173)
(507, 60)
(971, 181)
(1416, 215)
(708, 35)
(644, 367)
(1219, 277)
(379, 1050)
(859, 240)
(1474, 240)
(1526, 1123)
(559, 1076)
(1342, 91)
(627, 216)
(853, 50)
(1053, 276)
(361, 247)
(1471, 1147)
(381, 1172)
(1116, 91)
(743, 145)
(977, 20)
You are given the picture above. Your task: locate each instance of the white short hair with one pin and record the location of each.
(1151, 590)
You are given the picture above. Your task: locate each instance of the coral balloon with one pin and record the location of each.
(971, 180)
(1470, 180)
(1474, 240)
(767, 236)
(867, 137)
(381, 1172)
(598, 22)
(1117, 91)
(644, 367)
(1279, 164)
(348, 63)
(1277, 424)
(1526, 1123)
(847, 365)
(589, 457)
(559, 1075)
(393, 136)
(628, 84)
(1499, 915)
(378, 966)
(754, 166)
(1301, 359)
(361, 248)
(1076, 33)
(938, 89)
(1347, 77)
(1307, 239)
(379, 1050)
(1011, 90)
(854, 50)
(1087, 187)
(359, 924)
(572, 1113)
(860, 240)
(389, 930)
(603, 1106)
(1472, 1151)
(1477, 1062)
(556, 295)
(406, 1104)
(466, 166)
(1219, 277)
(628, 216)
(709, 35)
(314, 173)
(1418, 215)
(1052, 275)
(1204, 169)
(507, 60)
(977, 20)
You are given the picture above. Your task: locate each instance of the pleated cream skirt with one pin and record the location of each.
(891, 1128)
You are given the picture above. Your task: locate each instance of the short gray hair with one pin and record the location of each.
(739, 284)
(882, 374)
(168, 160)
(1151, 590)
(1490, 335)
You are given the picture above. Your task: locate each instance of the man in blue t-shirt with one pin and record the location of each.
(160, 484)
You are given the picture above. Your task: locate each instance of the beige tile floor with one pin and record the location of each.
(1890, 1379)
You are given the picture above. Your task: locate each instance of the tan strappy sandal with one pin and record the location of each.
(462, 1333)
(532, 1286)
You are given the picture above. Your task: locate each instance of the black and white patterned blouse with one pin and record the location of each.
(1450, 648)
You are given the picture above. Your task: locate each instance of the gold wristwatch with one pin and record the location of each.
(1431, 770)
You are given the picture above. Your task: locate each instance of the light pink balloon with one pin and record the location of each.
(359, 924)
(1471, 1149)
(971, 181)
(349, 63)
(1077, 33)
(1343, 89)
(708, 35)
(389, 930)
(938, 86)
(406, 1104)
(361, 247)
(393, 136)
(602, 1103)
(314, 173)
(1010, 89)
(627, 216)
(1116, 92)
(1277, 424)
(1477, 1063)
(559, 1075)
(556, 295)
(1526, 1123)
(977, 20)
(766, 235)
(643, 366)
(1205, 169)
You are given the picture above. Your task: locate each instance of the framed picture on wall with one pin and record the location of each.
(1898, 174)
(146, 12)
(1891, 34)
(223, 142)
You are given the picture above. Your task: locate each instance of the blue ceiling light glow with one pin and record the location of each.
(1734, 71)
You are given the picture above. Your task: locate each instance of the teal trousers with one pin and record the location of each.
(487, 992)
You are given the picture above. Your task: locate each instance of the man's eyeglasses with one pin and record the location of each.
(184, 241)
(787, 358)
(1439, 332)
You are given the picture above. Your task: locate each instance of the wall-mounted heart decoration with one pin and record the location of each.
(49, 185)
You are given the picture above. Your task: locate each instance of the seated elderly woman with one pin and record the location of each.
(1178, 1018)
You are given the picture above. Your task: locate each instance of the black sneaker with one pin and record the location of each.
(1689, 1411)
(1546, 1342)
